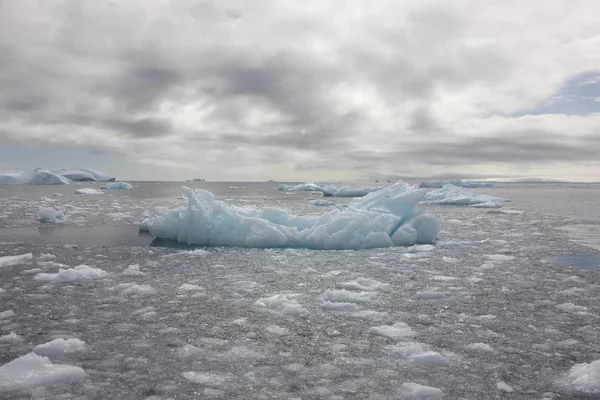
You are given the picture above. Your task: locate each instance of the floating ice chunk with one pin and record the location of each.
(444, 278)
(365, 285)
(283, 304)
(205, 378)
(398, 331)
(453, 195)
(428, 358)
(420, 248)
(303, 187)
(414, 391)
(9, 261)
(345, 191)
(346, 296)
(49, 214)
(7, 314)
(84, 174)
(133, 289)
(118, 186)
(277, 330)
(88, 191)
(78, 274)
(380, 219)
(406, 350)
(58, 348)
(133, 270)
(189, 350)
(187, 287)
(584, 378)
(429, 295)
(340, 306)
(504, 387)
(321, 203)
(459, 183)
(31, 370)
(570, 307)
(483, 347)
(499, 257)
(11, 338)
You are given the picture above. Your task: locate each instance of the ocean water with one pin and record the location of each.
(501, 307)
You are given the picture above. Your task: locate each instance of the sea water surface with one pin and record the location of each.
(501, 307)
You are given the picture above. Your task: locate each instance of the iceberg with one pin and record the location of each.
(36, 177)
(84, 174)
(345, 191)
(457, 182)
(383, 218)
(303, 187)
(118, 186)
(88, 191)
(453, 195)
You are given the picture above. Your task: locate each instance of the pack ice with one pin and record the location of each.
(383, 218)
(454, 195)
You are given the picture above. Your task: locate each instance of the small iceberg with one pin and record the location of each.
(383, 218)
(345, 191)
(118, 186)
(457, 182)
(88, 191)
(303, 187)
(453, 195)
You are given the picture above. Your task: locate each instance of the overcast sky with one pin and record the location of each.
(302, 90)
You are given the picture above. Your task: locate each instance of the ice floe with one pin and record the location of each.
(59, 348)
(79, 273)
(454, 195)
(584, 378)
(9, 261)
(397, 331)
(49, 214)
(89, 191)
(32, 370)
(381, 219)
(118, 186)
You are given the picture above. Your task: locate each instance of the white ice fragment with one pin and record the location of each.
(381, 219)
(499, 257)
(31, 370)
(337, 306)
(365, 285)
(118, 186)
(453, 195)
(277, 330)
(504, 387)
(303, 187)
(11, 338)
(428, 358)
(88, 191)
(58, 348)
(570, 307)
(321, 203)
(9, 261)
(133, 289)
(49, 214)
(345, 191)
(398, 331)
(429, 295)
(79, 273)
(133, 270)
(584, 378)
(205, 378)
(346, 296)
(188, 287)
(7, 314)
(420, 248)
(483, 347)
(414, 391)
(189, 350)
(283, 304)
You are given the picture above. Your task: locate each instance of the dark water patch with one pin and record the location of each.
(583, 261)
(105, 235)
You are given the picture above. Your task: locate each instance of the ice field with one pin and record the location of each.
(505, 304)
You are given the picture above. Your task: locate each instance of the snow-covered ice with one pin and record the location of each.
(414, 391)
(133, 270)
(9, 261)
(381, 219)
(49, 214)
(397, 331)
(59, 348)
(283, 304)
(32, 370)
(584, 378)
(454, 195)
(79, 273)
(89, 191)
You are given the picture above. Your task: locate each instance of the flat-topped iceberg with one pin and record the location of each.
(457, 182)
(381, 219)
(57, 177)
(453, 195)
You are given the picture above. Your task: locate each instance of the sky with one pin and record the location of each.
(302, 90)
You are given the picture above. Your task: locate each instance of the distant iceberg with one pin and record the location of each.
(88, 191)
(57, 177)
(457, 182)
(380, 219)
(330, 190)
(36, 177)
(303, 187)
(84, 175)
(453, 195)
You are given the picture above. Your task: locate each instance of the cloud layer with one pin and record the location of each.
(306, 90)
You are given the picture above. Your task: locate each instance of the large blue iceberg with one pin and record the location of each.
(383, 218)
